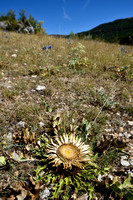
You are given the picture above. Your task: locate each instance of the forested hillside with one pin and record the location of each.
(120, 31)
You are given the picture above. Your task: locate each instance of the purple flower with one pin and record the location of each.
(44, 48)
(50, 47)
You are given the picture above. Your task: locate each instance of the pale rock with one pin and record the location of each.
(34, 76)
(131, 162)
(121, 129)
(124, 157)
(41, 124)
(9, 136)
(21, 124)
(39, 143)
(14, 55)
(40, 87)
(16, 64)
(100, 177)
(45, 193)
(111, 177)
(130, 172)
(108, 129)
(127, 135)
(9, 86)
(33, 90)
(124, 161)
(130, 123)
(83, 197)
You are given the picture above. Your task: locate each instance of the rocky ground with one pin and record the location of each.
(36, 86)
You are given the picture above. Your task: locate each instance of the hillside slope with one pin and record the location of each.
(120, 31)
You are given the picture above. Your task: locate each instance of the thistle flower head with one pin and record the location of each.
(68, 150)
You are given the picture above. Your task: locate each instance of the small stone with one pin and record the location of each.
(120, 134)
(9, 86)
(124, 163)
(9, 136)
(45, 193)
(33, 90)
(130, 172)
(39, 143)
(16, 64)
(40, 87)
(21, 124)
(100, 177)
(14, 55)
(34, 76)
(131, 162)
(121, 129)
(111, 177)
(41, 124)
(83, 197)
(130, 123)
(108, 129)
(127, 135)
(124, 157)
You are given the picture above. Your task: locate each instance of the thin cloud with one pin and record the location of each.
(86, 4)
(66, 16)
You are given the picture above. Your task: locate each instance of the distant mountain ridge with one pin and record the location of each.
(120, 31)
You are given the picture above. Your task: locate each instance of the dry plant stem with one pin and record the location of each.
(47, 60)
(11, 159)
(105, 101)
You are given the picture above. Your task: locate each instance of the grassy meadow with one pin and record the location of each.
(82, 86)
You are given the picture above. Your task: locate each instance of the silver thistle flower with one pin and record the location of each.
(68, 150)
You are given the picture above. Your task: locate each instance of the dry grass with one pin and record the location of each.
(76, 93)
(79, 90)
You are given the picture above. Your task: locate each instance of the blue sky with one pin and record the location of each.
(65, 16)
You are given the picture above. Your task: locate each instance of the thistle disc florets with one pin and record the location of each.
(68, 150)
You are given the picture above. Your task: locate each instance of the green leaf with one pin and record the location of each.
(129, 195)
(126, 184)
(2, 161)
(116, 189)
